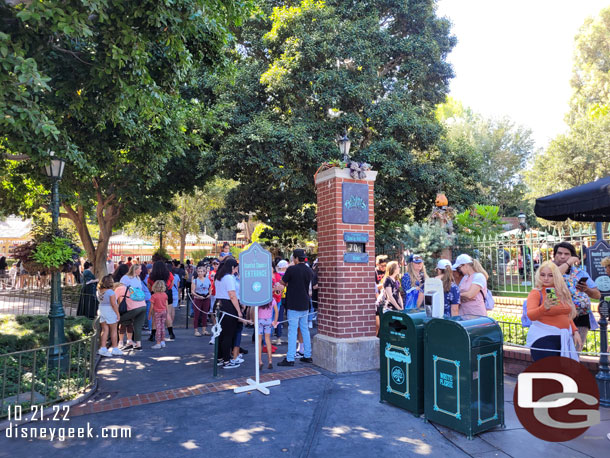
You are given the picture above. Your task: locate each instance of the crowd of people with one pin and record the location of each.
(143, 297)
(557, 311)
(464, 285)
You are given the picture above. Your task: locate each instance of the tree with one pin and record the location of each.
(580, 155)
(310, 70)
(499, 150)
(591, 74)
(573, 159)
(119, 89)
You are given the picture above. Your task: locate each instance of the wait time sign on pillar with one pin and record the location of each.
(346, 339)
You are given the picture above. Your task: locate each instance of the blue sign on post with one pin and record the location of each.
(255, 276)
(355, 203)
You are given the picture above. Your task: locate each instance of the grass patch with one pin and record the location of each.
(26, 332)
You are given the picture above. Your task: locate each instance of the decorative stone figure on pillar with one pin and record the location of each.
(346, 339)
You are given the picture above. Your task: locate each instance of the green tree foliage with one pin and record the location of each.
(580, 155)
(119, 89)
(425, 239)
(591, 73)
(310, 70)
(496, 150)
(481, 220)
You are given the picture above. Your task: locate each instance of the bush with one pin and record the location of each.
(425, 239)
(25, 332)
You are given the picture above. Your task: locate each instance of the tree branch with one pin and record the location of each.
(72, 53)
(390, 66)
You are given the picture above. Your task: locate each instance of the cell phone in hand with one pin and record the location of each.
(550, 293)
(582, 281)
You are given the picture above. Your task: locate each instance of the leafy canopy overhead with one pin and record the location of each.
(118, 89)
(310, 70)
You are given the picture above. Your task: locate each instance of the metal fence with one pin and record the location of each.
(515, 333)
(34, 378)
(511, 258)
(36, 301)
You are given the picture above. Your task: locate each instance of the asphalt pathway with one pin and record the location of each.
(318, 415)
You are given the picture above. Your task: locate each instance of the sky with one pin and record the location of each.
(514, 58)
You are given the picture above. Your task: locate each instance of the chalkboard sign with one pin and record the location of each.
(255, 276)
(595, 254)
(355, 203)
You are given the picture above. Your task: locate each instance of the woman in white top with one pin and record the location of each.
(225, 284)
(473, 286)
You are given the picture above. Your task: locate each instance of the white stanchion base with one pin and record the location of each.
(252, 385)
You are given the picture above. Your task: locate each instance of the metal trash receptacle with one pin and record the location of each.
(464, 373)
(401, 359)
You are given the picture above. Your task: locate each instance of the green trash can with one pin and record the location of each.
(464, 373)
(401, 360)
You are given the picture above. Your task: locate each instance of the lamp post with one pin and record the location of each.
(161, 226)
(344, 144)
(523, 228)
(603, 375)
(55, 170)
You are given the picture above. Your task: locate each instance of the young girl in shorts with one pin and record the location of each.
(158, 305)
(265, 327)
(109, 316)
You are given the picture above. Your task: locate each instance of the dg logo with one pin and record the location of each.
(557, 399)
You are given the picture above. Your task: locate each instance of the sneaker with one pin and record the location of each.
(156, 346)
(117, 352)
(285, 362)
(238, 360)
(230, 365)
(162, 344)
(104, 352)
(278, 341)
(127, 347)
(197, 334)
(169, 339)
(243, 351)
(220, 362)
(205, 332)
(306, 360)
(172, 336)
(299, 355)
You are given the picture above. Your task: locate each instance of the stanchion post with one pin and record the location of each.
(216, 351)
(603, 375)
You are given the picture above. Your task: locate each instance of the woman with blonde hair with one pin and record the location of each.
(473, 286)
(415, 276)
(550, 307)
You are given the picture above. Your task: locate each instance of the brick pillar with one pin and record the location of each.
(346, 339)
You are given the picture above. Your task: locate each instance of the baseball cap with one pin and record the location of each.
(282, 264)
(417, 259)
(299, 253)
(461, 260)
(442, 264)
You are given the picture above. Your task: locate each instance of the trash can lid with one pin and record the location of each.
(481, 330)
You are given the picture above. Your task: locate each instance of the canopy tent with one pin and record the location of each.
(589, 202)
(530, 233)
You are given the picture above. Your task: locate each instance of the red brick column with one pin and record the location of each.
(346, 308)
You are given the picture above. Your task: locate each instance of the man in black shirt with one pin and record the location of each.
(297, 280)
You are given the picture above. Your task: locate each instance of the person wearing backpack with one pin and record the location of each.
(473, 286)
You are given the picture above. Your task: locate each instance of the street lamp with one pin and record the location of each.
(522, 221)
(161, 226)
(344, 144)
(55, 170)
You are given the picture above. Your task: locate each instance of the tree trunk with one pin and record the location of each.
(107, 215)
(182, 245)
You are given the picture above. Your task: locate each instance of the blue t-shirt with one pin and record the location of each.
(451, 297)
(202, 287)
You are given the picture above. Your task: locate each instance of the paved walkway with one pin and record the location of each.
(175, 407)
